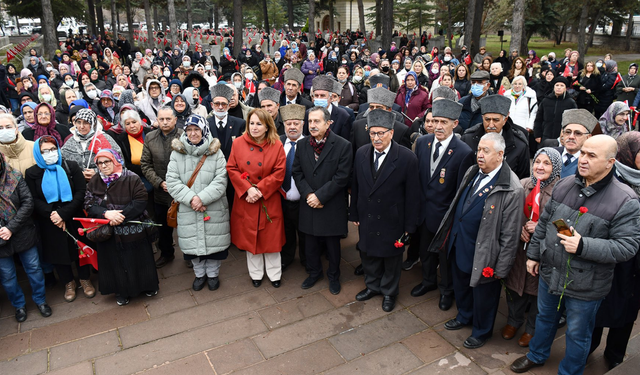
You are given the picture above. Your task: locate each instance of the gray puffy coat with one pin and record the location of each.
(196, 236)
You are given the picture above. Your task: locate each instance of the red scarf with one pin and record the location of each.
(138, 137)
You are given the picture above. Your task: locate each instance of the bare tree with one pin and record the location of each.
(189, 17)
(173, 25)
(100, 17)
(147, 18)
(627, 42)
(387, 23)
(582, 32)
(265, 12)
(49, 30)
(518, 33)
(378, 17)
(290, 15)
(129, 22)
(91, 17)
(363, 25)
(237, 27)
(114, 20)
(473, 25)
(312, 12)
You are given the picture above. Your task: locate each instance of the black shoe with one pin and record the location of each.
(453, 325)
(21, 314)
(523, 364)
(359, 271)
(276, 284)
(198, 283)
(213, 283)
(473, 342)
(388, 303)
(409, 263)
(309, 282)
(162, 261)
(366, 294)
(256, 283)
(152, 293)
(445, 302)
(334, 287)
(562, 322)
(421, 290)
(50, 280)
(45, 310)
(121, 301)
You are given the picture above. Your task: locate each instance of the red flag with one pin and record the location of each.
(273, 43)
(249, 41)
(532, 203)
(618, 79)
(501, 91)
(88, 222)
(87, 255)
(467, 60)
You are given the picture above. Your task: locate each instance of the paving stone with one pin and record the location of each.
(194, 317)
(234, 356)
(431, 314)
(175, 283)
(177, 267)
(228, 288)
(317, 328)
(295, 310)
(69, 310)
(84, 349)
(74, 329)
(14, 345)
(8, 326)
(348, 293)
(184, 344)
(82, 368)
(428, 346)
(33, 363)
(311, 359)
(455, 364)
(392, 360)
(166, 304)
(377, 334)
(194, 365)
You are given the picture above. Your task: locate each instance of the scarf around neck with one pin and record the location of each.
(318, 146)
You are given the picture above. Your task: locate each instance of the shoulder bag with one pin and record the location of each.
(172, 213)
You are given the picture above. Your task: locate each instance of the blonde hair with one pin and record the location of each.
(272, 133)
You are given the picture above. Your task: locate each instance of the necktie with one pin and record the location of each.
(569, 160)
(286, 184)
(481, 177)
(378, 155)
(436, 152)
(289, 102)
(220, 124)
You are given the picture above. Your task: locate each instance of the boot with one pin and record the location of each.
(70, 291)
(87, 288)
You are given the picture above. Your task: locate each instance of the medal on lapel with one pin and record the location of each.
(442, 173)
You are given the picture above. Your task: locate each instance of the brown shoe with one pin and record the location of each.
(508, 332)
(87, 287)
(70, 291)
(524, 340)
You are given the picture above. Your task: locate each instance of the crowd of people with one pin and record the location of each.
(516, 172)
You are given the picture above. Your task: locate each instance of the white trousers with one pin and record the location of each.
(257, 264)
(209, 267)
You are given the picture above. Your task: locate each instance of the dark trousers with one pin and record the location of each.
(295, 238)
(413, 251)
(165, 238)
(382, 275)
(65, 272)
(517, 309)
(617, 340)
(314, 251)
(430, 262)
(478, 305)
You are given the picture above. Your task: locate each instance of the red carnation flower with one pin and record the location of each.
(487, 272)
(583, 210)
(398, 244)
(244, 175)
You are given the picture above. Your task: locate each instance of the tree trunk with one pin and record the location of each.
(114, 23)
(387, 23)
(216, 19)
(378, 17)
(91, 17)
(173, 24)
(48, 30)
(265, 12)
(592, 31)
(627, 42)
(189, 19)
(147, 17)
(100, 18)
(156, 20)
(312, 24)
(118, 18)
(518, 38)
(363, 24)
(616, 28)
(290, 15)
(237, 27)
(473, 25)
(582, 33)
(449, 29)
(331, 15)
(129, 22)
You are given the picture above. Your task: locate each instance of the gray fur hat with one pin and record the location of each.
(443, 92)
(294, 74)
(380, 118)
(380, 95)
(269, 93)
(495, 104)
(337, 88)
(324, 83)
(447, 108)
(221, 90)
(292, 112)
(579, 116)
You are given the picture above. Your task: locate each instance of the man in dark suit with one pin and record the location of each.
(322, 89)
(293, 79)
(379, 98)
(224, 127)
(336, 95)
(384, 194)
(321, 170)
(577, 126)
(270, 101)
(293, 117)
(442, 161)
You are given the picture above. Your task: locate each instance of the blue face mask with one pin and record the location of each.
(477, 89)
(321, 103)
(366, 73)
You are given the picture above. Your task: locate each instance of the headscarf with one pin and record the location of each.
(409, 92)
(188, 93)
(52, 101)
(628, 148)
(9, 181)
(49, 129)
(107, 94)
(42, 76)
(126, 97)
(90, 117)
(556, 166)
(610, 65)
(55, 182)
(94, 81)
(117, 165)
(200, 122)
(187, 110)
(608, 123)
(33, 106)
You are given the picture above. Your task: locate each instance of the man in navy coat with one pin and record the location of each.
(442, 161)
(340, 119)
(384, 196)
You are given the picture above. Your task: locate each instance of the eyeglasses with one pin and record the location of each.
(577, 133)
(103, 163)
(220, 104)
(48, 151)
(378, 134)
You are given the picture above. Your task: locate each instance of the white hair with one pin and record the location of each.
(520, 78)
(496, 138)
(130, 114)
(496, 64)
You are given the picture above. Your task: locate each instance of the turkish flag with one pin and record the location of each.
(501, 91)
(532, 203)
(87, 255)
(618, 79)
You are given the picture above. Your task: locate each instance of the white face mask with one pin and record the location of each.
(220, 114)
(8, 135)
(167, 74)
(186, 64)
(357, 79)
(238, 85)
(46, 97)
(51, 158)
(49, 68)
(69, 83)
(92, 94)
(249, 76)
(207, 67)
(27, 85)
(435, 70)
(336, 49)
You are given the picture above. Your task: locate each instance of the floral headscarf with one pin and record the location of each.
(556, 166)
(608, 123)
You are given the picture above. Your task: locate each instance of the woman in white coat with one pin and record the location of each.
(524, 107)
(203, 217)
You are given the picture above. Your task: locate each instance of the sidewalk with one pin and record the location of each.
(244, 330)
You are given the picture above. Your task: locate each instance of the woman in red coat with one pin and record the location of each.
(256, 168)
(412, 98)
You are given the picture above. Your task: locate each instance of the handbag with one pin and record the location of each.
(172, 212)
(101, 234)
